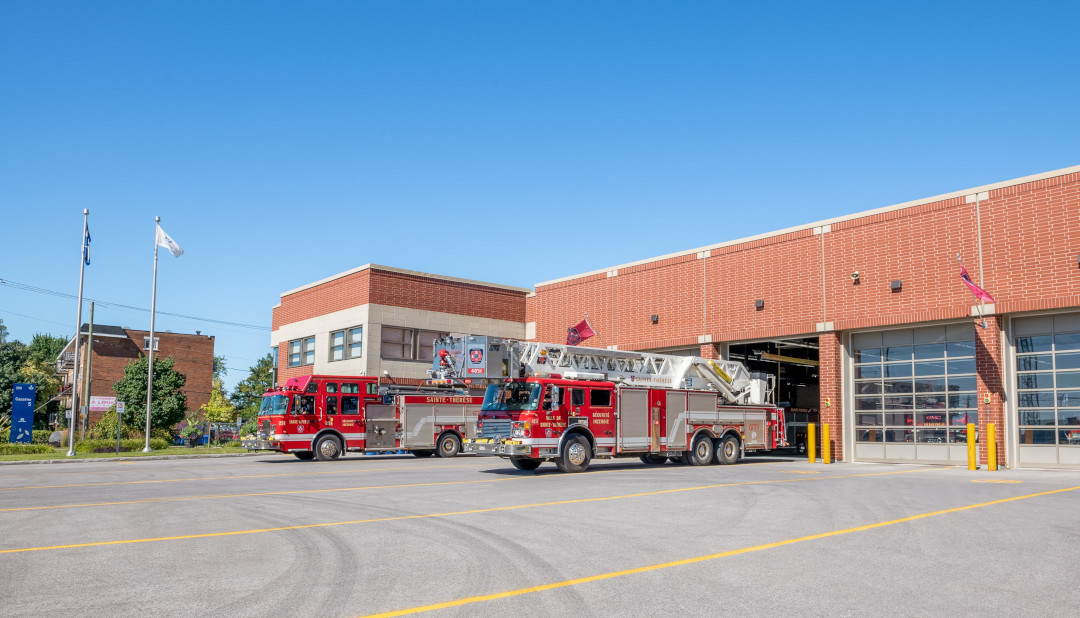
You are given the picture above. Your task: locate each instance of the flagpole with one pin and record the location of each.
(150, 356)
(982, 318)
(78, 327)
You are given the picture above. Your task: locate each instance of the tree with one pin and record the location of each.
(219, 368)
(12, 357)
(218, 409)
(247, 395)
(169, 403)
(40, 370)
(3, 332)
(45, 348)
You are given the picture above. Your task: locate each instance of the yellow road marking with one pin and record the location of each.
(803, 471)
(449, 514)
(220, 478)
(266, 493)
(677, 563)
(995, 481)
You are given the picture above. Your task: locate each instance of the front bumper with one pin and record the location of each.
(260, 445)
(502, 448)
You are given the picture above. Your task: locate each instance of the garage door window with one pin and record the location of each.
(1048, 388)
(914, 386)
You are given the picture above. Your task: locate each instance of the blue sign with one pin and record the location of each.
(22, 412)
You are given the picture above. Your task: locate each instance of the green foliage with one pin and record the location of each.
(7, 448)
(45, 348)
(12, 358)
(191, 429)
(219, 368)
(108, 446)
(168, 405)
(3, 332)
(247, 395)
(218, 409)
(105, 428)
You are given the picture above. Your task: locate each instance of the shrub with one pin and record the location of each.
(8, 448)
(41, 436)
(109, 446)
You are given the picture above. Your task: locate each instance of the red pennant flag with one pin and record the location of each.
(579, 333)
(979, 293)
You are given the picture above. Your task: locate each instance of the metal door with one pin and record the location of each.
(633, 420)
(676, 420)
(418, 425)
(381, 426)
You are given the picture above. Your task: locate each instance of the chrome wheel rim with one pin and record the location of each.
(328, 448)
(576, 454)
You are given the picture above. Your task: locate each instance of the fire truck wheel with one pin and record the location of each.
(653, 460)
(423, 453)
(525, 463)
(449, 446)
(575, 456)
(727, 450)
(702, 453)
(327, 448)
(304, 455)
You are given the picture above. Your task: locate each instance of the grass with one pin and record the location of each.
(61, 453)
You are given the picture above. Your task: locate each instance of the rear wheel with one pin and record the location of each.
(423, 453)
(653, 460)
(327, 448)
(448, 446)
(702, 453)
(304, 455)
(575, 456)
(525, 463)
(727, 450)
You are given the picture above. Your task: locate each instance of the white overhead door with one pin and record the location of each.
(1047, 401)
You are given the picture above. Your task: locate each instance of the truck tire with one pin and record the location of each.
(653, 460)
(449, 446)
(304, 455)
(727, 450)
(327, 448)
(702, 452)
(525, 463)
(575, 455)
(423, 453)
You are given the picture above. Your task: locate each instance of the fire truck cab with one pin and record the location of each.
(323, 417)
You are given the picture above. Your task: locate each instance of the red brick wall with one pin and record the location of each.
(990, 367)
(335, 295)
(830, 348)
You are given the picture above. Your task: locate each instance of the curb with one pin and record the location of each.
(132, 458)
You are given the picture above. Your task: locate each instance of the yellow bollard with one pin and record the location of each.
(826, 446)
(811, 442)
(972, 454)
(991, 447)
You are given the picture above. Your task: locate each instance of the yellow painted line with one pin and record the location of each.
(678, 563)
(995, 481)
(802, 471)
(252, 495)
(448, 514)
(226, 478)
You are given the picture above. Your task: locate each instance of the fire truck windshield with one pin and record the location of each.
(274, 404)
(512, 396)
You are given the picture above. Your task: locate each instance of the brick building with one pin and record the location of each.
(375, 319)
(114, 347)
(863, 319)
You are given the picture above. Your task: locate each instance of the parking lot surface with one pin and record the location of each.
(469, 536)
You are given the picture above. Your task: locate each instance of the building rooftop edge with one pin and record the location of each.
(404, 272)
(806, 226)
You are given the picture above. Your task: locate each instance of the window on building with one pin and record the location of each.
(347, 343)
(302, 352)
(146, 343)
(408, 343)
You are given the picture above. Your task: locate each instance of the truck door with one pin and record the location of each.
(380, 426)
(633, 420)
(418, 425)
(676, 420)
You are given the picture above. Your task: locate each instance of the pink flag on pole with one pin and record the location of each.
(579, 333)
(979, 293)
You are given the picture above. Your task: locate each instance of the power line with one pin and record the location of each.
(47, 292)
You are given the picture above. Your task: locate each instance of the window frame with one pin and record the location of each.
(416, 348)
(347, 344)
(305, 350)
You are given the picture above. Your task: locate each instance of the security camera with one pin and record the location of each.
(855, 275)
(386, 373)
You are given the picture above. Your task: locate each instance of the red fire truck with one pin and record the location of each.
(569, 405)
(323, 417)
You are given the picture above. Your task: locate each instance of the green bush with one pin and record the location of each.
(41, 436)
(109, 446)
(8, 448)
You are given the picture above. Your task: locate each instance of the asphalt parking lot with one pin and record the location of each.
(270, 535)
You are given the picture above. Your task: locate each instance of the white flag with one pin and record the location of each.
(163, 240)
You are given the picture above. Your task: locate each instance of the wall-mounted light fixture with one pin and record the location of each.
(759, 304)
(855, 277)
(654, 318)
(896, 285)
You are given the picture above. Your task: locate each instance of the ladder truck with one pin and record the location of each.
(570, 405)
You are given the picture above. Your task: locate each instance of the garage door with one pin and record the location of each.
(1047, 352)
(914, 393)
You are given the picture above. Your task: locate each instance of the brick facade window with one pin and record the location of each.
(348, 343)
(408, 343)
(302, 352)
(146, 343)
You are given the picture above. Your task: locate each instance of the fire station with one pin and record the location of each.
(863, 321)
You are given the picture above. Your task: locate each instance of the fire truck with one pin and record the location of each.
(323, 417)
(570, 405)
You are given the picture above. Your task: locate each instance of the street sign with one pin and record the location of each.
(22, 412)
(120, 408)
(101, 404)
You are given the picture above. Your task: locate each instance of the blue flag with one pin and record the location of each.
(86, 245)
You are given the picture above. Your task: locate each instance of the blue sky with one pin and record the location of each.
(511, 142)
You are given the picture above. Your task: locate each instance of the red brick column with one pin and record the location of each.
(831, 406)
(709, 351)
(990, 372)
